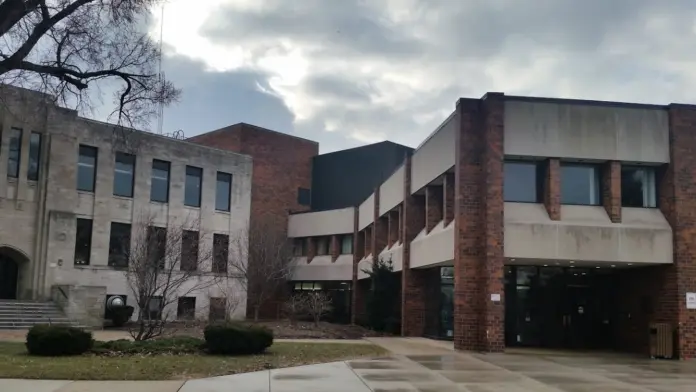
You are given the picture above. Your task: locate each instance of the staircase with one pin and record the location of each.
(23, 314)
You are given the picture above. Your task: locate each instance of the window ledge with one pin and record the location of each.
(222, 212)
(85, 192)
(192, 207)
(159, 203)
(117, 197)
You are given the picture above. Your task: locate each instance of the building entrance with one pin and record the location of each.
(556, 307)
(8, 277)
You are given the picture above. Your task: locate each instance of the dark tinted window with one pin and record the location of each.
(580, 184)
(347, 244)
(124, 172)
(119, 244)
(83, 241)
(221, 244)
(15, 152)
(322, 245)
(186, 308)
(222, 191)
(522, 182)
(86, 168)
(159, 187)
(189, 251)
(638, 187)
(157, 246)
(304, 196)
(300, 248)
(34, 156)
(218, 309)
(192, 191)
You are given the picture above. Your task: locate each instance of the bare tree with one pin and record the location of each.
(263, 258)
(64, 47)
(224, 300)
(295, 307)
(318, 305)
(161, 268)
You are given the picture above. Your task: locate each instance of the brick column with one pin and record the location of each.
(357, 296)
(552, 188)
(311, 249)
(334, 247)
(677, 194)
(413, 286)
(393, 223)
(611, 190)
(433, 207)
(367, 233)
(478, 258)
(448, 198)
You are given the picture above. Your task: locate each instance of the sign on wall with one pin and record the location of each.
(691, 300)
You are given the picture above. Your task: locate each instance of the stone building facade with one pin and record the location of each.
(66, 182)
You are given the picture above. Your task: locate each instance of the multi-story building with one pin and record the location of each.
(72, 190)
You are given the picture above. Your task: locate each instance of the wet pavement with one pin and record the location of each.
(421, 365)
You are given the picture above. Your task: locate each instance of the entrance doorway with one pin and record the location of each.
(555, 307)
(8, 277)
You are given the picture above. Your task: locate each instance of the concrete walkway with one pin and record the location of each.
(422, 365)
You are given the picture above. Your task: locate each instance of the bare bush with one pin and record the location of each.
(318, 305)
(295, 307)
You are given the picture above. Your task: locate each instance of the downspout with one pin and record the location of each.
(41, 258)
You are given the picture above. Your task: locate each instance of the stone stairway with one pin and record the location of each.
(23, 314)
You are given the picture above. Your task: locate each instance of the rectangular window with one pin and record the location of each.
(322, 246)
(580, 184)
(222, 191)
(638, 186)
(34, 156)
(346, 244)
(157, 246)
(86, 168)
(218, 309)
(83, 241)
(119, 244)
(221, 245)
(124, 174)
(299, 248)
(523, 182)
(15, 153)
(159, 184)
(304, 196)
(186, 308)
(189, 251)
(154, 308)
(192, 187)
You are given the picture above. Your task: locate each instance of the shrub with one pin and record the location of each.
(54, 340)
(237, 339)
(168, 346)
(120, 316)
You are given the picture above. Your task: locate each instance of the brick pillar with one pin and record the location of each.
(433, 207)
(413, 287)
(448, 198)
(677, 194)
(478, 258)
(611, 190)
(311, 249)
(552, 188)
(357, 297)
(393, 223)
(334, 247)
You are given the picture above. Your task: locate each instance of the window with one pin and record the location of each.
(308, 286)
(346, 244)
(304, 196)
(159, 185)
(119, 244)
(221, 245)
(300, 249)
(86, 168)
(523, 182)
(83, 241)
(218, 309)
(192, 191)
(580, 184)
(15, 153)
(154, 308)
(322, 246)
(189, 251)
(156, 245)
(186, 308)
(638, 187)
(222, 191)
(124, 171)
(34, 156)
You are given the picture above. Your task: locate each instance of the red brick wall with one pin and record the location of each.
(357, 296)
(478, 214)
(611, 190)
(433, 206)
(552, 188)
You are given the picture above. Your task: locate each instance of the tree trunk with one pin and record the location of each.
(256, 313)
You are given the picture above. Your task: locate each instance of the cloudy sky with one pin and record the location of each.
(350, 72)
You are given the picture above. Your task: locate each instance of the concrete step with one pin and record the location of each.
(37, 318)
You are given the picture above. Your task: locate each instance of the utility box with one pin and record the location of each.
(661, 341)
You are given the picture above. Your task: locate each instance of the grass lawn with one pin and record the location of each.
(15, 363)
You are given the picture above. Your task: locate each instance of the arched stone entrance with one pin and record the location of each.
(10, 260)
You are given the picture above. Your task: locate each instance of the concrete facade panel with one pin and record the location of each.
(366, 212)
(321, 223)
(391, 192)
(435, 156)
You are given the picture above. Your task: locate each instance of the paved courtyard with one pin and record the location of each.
(420, 365)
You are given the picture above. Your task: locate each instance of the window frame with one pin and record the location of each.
(168, 164)
(218, 182)
(13, 132)
(116, 260)
(652, 178)
(83, 245)
(34, 154)
(539, 178)
(93, 183)
(186, 185)
(597, 182)
(132, 173)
